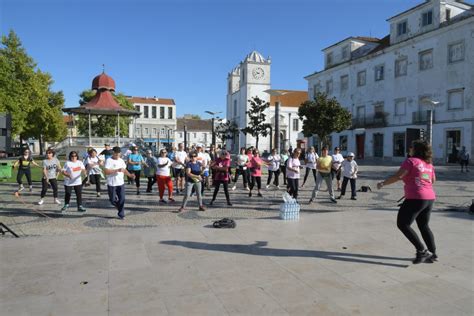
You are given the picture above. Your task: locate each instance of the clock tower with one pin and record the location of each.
(249, 79)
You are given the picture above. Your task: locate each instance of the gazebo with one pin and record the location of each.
(103, 103)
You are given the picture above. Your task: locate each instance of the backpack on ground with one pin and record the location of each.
(224, 223)
(365, 188)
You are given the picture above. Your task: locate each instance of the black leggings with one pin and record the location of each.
(283, 170)
(21, 172)
(240, 171)
(277, 175)
(307, 174)
(420, 211)
(77, 190)
(44, 187)
(151, 182)
(217, 185)
(137, 177)
(95, 179)
(258, 180)
(293, 187)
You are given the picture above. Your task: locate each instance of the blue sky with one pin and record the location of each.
(184, 49)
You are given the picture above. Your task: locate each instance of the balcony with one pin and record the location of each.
(378, 119)
(421, 117)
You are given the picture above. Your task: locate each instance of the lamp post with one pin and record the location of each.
(185, 136)
(213, 132)
(277, 94)
(432, 104)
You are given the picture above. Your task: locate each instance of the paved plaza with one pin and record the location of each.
(338, 259)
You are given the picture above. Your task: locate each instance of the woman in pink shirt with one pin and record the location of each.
(256, 172)
(221, 166)
(418, 176)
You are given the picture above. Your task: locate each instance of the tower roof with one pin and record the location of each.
(103, 81)
(256, 57)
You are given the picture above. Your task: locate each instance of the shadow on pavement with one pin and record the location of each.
(258, 250)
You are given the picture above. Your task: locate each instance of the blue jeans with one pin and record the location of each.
(117, 198)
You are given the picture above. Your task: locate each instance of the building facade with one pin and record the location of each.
(156, 124)
(391, 85)
(198, 132)
(251, 78)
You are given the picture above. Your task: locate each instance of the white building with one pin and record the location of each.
(386, 83)
(157, 121)
(198, 132)
(249, 79)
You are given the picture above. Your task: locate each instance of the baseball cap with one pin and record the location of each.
(350, 154)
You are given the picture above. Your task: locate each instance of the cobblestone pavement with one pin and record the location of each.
(454, 191)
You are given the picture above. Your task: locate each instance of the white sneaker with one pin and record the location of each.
(21, 188)
(57, 201)
(233, 188)
(247, 188)
(278, 187)
(268, 186)
(31, 188)
(40, 202)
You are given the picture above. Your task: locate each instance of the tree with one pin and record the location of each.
(256, 125)
(104, 125)
(225, 131)
(323, 116)
(25, 93)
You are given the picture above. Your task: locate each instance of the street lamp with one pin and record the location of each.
(213, 132)
(432, 104)
(277, 94)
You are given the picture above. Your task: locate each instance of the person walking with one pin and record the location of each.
(205, 160)
(464, 157)
(349, 172)
(293, 173)
(273, 162)
(163, 176)
(241, 169)
(72, 171)
(179, 165)
(24, 168)
(93, 164)
(115, 168)
(323, 165)
(135, 161)
(150, 170)
(51, 169)
(256, 172)
(107, 152)
(337, 160)
(418, 176)
(311, 158)
(194, 179)
(284, 157)
(221, 167)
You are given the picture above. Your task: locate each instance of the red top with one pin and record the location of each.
(255, 164)
(222, 175)
(419, 180)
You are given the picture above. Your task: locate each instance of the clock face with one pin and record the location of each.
(258, 73)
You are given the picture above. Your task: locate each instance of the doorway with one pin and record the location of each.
(378, 145)
(453, 143)
(360, 143)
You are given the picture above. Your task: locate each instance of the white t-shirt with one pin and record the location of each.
(311, 160)
(293, 163)
(115, 179)
(181, 157)
(164, 171)
(74, 170)
(337, 159)
(93, 165)
(349, 169)
(242, 161)
(274, 162)
(204, 159)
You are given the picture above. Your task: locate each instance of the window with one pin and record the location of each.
(329, 87)
(455, 99)
(361, 75)
(170, 113)
(343, 142)
(235, 107)
(400, 107)
(456, 52)
(426, 59)
(401, 66)
(162, 112)
(427, 18)
(448, 15)
(360, 114)
(137, 130)
(379, 72)
(137, 108)
(243, 74)
(344, 83)
(295, 125)
(345, 52)
(180, 135)
(162, 132)
(153, 112)
(146, 131)
(402, 28)
(378, 108)
(230, 87)
(154, 131)
(195, 135)
(329, 59)
(145, 111)
(398, 144)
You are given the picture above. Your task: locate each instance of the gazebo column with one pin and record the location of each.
(90, 130)
(118, 129)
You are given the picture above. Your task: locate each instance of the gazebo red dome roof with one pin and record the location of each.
(103, 81)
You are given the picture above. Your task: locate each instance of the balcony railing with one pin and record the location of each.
(421, 117)
(373, 121)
